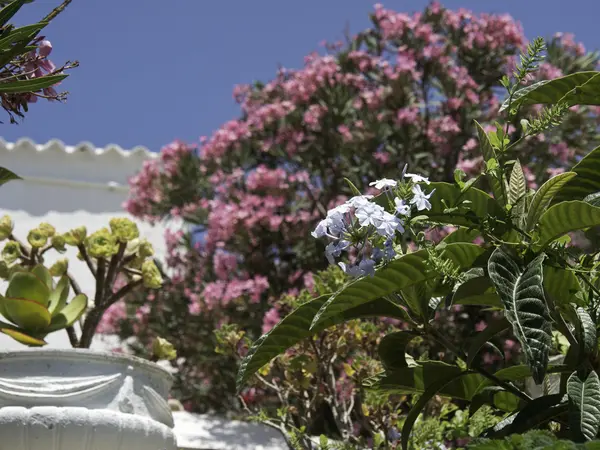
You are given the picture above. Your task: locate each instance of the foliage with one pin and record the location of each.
(36, 305)
(406, 90)
(369, 239)
(26, 73)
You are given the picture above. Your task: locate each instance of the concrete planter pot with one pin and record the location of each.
(83, 400)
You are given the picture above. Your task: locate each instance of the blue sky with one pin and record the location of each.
(152, 71)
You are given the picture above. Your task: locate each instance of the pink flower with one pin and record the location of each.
(270, 319)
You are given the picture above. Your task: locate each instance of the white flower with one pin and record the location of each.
(383, 183)
(369, 214)
(420, 199)
(367, 267)
(334, 250)
(389, 224)
(417, 178)
(353, 271)
(401, 207)
(358, 201)
(320, 230)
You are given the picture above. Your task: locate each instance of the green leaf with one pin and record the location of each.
(33, 85)
(392, 349)
(352, 187)
(417, 297)
(561, 285)
(59, 296)
(27, 285)
(489, 155)
(477, 291)
(522, 293)
(482, 337)
(586, 333)
(21, 337)
(6, 176)
(27, 314)
(593, 199)
(584, 404)
(544, 196)
(10, 10)
(296, 326)
(462, 234)
(413, 414)
(69, 314)
(26, 33)
(517, 187)
(537, 412)
(587, 181)
(42, 273)
(552, 91)
(395, 276)
(479, 203)
(563, 218)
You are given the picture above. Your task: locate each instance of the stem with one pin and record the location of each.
(114, 264)
(504, 384)
(86, 258)
(100, 278)
(56, 11)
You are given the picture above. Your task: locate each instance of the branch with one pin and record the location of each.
(56, 11)
(86, 258)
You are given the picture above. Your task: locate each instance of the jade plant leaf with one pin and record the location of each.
(522, 293)
(59, 296)
(584, 403)
(6, 176)
(68, 315)
(27, 314)
(20, 336)
(27, 285)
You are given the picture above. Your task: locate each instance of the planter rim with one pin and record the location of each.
(78, 353)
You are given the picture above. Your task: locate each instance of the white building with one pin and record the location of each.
(73, 186)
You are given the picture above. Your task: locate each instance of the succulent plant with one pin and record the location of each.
(35, 306)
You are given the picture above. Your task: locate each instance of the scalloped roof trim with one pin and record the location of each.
(55, 145)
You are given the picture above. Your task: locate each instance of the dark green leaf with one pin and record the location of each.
(544, 196)
(563, 218)
(481, 338)
(539, 411)
(586, 333)
(353, 188)
(584, 404)
(561, 285)
(430, 392)
(477, 291)
(296, 326)
(522, 293)
(33, 85)
(552, 91)
(26, 33)
(399, 274)
(10, 10)
(517, 187)
(6, 176)
(593, 199)
(392, 349)
(462, 234)
(587, 181)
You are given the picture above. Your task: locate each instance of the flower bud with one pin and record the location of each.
(151, 275)
(76, 236)
(58, 243)
(124, 229)
(6, 227)
(101, 244)
(37, 238)
(48, 229)
(145, 249)
(11, 252)
(59, 268)
(163, 349)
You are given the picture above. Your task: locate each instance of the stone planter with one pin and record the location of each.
(83, 400)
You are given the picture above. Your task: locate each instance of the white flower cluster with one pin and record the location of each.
(367, 226)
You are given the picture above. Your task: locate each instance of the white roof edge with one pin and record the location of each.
(58, 145)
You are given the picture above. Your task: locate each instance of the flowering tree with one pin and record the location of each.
(408, 90)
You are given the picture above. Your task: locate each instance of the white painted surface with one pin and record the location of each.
(199, 431)
(82, 399)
